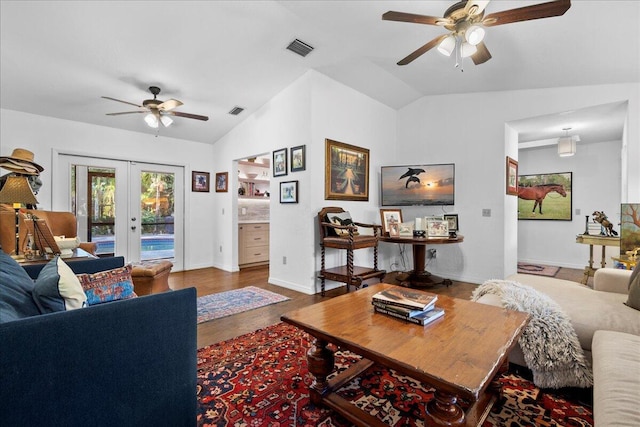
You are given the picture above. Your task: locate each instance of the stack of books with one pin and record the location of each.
(407, 304)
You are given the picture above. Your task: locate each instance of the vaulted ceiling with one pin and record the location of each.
(58, 58)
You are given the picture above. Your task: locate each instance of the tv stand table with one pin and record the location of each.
(419, 276)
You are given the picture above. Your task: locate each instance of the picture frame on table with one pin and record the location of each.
(512, 177)
(222, 182)
(298, 158)
(405, 229)
(200, 181)
(346, 173)
(289, 192)
(389, 217)
(437, 228)
(452, 220)
(280, 162)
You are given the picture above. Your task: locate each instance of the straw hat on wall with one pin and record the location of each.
(21, 161)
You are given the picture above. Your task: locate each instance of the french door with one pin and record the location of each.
(131, 209)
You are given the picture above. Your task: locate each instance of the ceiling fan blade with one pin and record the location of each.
(125, 112)
(482, 55)
(169, 105)
(416, 19)
(476, 7)
(527, 13)
(422, 50)
(187, 115)
(124, 102)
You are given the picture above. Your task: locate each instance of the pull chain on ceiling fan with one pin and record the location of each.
(466, 23)
(158, 112)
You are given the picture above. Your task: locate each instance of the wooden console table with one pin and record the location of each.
(419, 276)
(603, 241)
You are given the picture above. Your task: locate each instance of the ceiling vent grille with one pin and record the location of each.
(236, 110)
(300, 47)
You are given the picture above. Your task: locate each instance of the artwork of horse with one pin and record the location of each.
(539, 192)
(600, 217)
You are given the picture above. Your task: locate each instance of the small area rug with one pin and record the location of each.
(261, 379)
(537, 269)
(224, 304)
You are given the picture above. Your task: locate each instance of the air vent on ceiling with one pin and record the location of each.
(300, 47)
(236, 110)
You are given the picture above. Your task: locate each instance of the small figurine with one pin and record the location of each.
(600, 217)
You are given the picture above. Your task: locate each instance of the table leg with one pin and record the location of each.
(321, 363)
(603, 262)
(443, 410)
(420, 277)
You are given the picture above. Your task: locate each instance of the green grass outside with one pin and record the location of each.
(554, 206)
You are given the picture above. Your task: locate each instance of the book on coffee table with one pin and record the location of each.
(420, 318)
(407, 298)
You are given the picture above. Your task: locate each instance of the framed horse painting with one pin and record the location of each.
(545, 196)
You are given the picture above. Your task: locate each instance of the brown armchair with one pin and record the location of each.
(338, 231)
(60, 224)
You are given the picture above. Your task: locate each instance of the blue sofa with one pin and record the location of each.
(123, 363)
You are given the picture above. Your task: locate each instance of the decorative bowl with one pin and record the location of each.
(252, 175)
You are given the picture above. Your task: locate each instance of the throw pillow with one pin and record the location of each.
(110, 285)
(341, 218)
(16, 287)
(57, 288)
(633, 300)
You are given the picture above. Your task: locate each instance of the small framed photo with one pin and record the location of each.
(389, 217)
(222, 182)
(298, 161)
(289, 192)
(437, 228)
(280, 162)
(452, 219)
(405, 229)
(200, 181)
(512, 177)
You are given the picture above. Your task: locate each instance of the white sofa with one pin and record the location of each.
(609, 333)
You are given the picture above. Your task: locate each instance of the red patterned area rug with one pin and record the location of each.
(261, 379)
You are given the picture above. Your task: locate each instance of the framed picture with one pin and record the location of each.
(280, 162)
(512, 176)
(629, 228)
(346, 173)
(545, 196)
(289, 192)
(437, 228)
(405, 229)
(389, 217)
(42, 236)
(452, 220)
(298, 161)
(222, 182)
(200, 181)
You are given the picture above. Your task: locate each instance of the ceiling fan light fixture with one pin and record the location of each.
(151, 120)
(474, 34)
(166, 121)
(447, 46)
(467, 49)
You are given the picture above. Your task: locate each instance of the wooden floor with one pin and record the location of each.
(211, 280)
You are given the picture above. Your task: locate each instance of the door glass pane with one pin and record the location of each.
(157, 207)
(102, 210)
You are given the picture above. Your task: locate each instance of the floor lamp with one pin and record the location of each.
(17, 192)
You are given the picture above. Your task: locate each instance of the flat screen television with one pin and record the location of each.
(418, 185)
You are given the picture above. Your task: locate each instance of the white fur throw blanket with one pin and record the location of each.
(549, 343)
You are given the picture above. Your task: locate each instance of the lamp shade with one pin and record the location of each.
(16, 189)
(151, 120)
(467, 50)
(474, 34)
(447, 45)
(566, 146)
(166, 121)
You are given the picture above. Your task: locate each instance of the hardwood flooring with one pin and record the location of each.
(211, 280)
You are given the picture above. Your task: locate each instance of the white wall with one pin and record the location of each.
(469, 130)
(44, 135)
(310, 110)
(595, 186)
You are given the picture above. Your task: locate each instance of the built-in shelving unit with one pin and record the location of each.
(254, 187)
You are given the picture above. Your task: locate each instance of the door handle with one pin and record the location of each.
(133, 227)
(133, 219)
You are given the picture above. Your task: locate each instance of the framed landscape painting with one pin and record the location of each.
(629, 228)
(545, 196)
(346, 174)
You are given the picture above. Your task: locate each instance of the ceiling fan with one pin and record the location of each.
(157, 111)
(466, 21)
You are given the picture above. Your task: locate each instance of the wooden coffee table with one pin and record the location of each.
(459, 354)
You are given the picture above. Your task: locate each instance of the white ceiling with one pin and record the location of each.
(59, 57)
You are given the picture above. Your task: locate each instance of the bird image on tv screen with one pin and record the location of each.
(418, 185)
